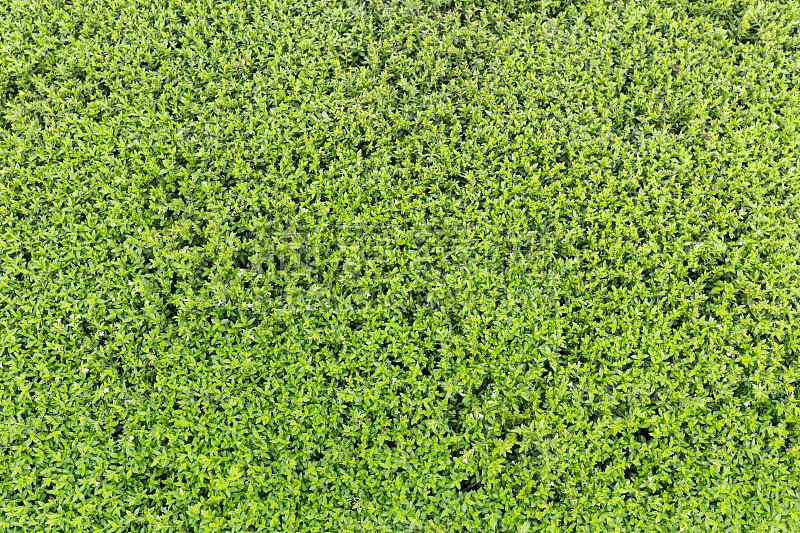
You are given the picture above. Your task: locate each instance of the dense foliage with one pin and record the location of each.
(399, 265)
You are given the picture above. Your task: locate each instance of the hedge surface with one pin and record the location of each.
(397, 265)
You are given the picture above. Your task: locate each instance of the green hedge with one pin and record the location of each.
(399, 266)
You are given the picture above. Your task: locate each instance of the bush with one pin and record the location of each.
(458, 265)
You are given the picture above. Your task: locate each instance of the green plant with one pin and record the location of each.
(399, 266)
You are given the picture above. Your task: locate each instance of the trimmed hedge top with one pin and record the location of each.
(399, 266)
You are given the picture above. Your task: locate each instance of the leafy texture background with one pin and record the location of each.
(399, 266)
